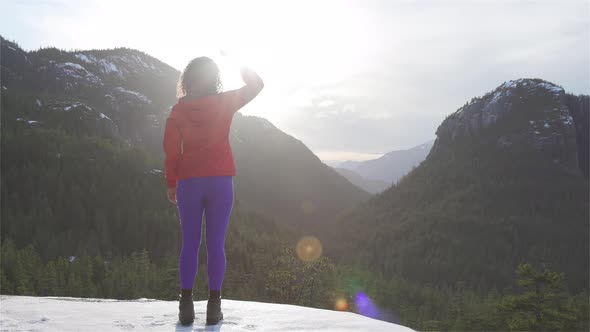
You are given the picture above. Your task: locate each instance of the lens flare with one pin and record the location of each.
(341, 304)
(307, 207)
(352, 285)
(309, 249)
(365, 306)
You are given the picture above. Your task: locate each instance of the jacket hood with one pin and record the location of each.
(195, 110)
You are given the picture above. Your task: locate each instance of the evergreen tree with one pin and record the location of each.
(541, 306)
(48, 280)
(304, 283)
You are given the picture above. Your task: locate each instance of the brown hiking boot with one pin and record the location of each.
(186, 308)
(214, 314)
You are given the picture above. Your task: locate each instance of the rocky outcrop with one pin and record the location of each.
(523, 113)
(126, 93)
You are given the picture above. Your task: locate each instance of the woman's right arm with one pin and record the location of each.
(236, 99)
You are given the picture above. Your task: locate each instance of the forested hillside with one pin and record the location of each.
(501, 186)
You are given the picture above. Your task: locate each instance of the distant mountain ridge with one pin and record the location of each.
(371, 186)
(376, 175)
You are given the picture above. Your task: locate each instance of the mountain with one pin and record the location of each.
(278, 173)
(388, 168)
(371, 186)
(55, 314)
(120, 93)
(503, 184)
(124, 95)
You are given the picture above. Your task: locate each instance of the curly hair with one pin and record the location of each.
(200, 78)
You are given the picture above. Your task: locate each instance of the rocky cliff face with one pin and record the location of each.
(524, 113)
(579, 107)
(82, 73)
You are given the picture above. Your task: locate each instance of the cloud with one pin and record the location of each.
(326, 103)
(432, 57)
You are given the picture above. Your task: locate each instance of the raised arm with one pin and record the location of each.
(254, 84)
(235, 99)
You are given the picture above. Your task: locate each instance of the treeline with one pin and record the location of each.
(23, 272)
(539, 304)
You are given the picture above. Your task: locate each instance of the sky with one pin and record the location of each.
(352, 79)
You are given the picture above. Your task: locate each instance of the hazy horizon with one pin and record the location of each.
(351, 79)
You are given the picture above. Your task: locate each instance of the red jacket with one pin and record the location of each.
(196, 139)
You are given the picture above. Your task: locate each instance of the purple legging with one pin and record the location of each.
(213, 195)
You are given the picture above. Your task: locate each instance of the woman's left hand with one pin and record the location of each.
(172, 195)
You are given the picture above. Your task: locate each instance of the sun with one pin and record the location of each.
(302, 43)
(296, 47)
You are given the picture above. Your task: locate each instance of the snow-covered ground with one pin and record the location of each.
(26, 313)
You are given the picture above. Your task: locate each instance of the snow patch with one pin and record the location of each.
(38, 102)
(76, 71)
(567, 119)
(109, 67)
(28, 121)
(74, 65)
(135, 93)
(85, 58)
(532, 85)
(509, 85)
(55, 314)
(102, 116)
(68, 107)
(155, 171)
(551, 87)
(141, 62)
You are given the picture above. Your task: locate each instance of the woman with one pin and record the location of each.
(199, 173)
